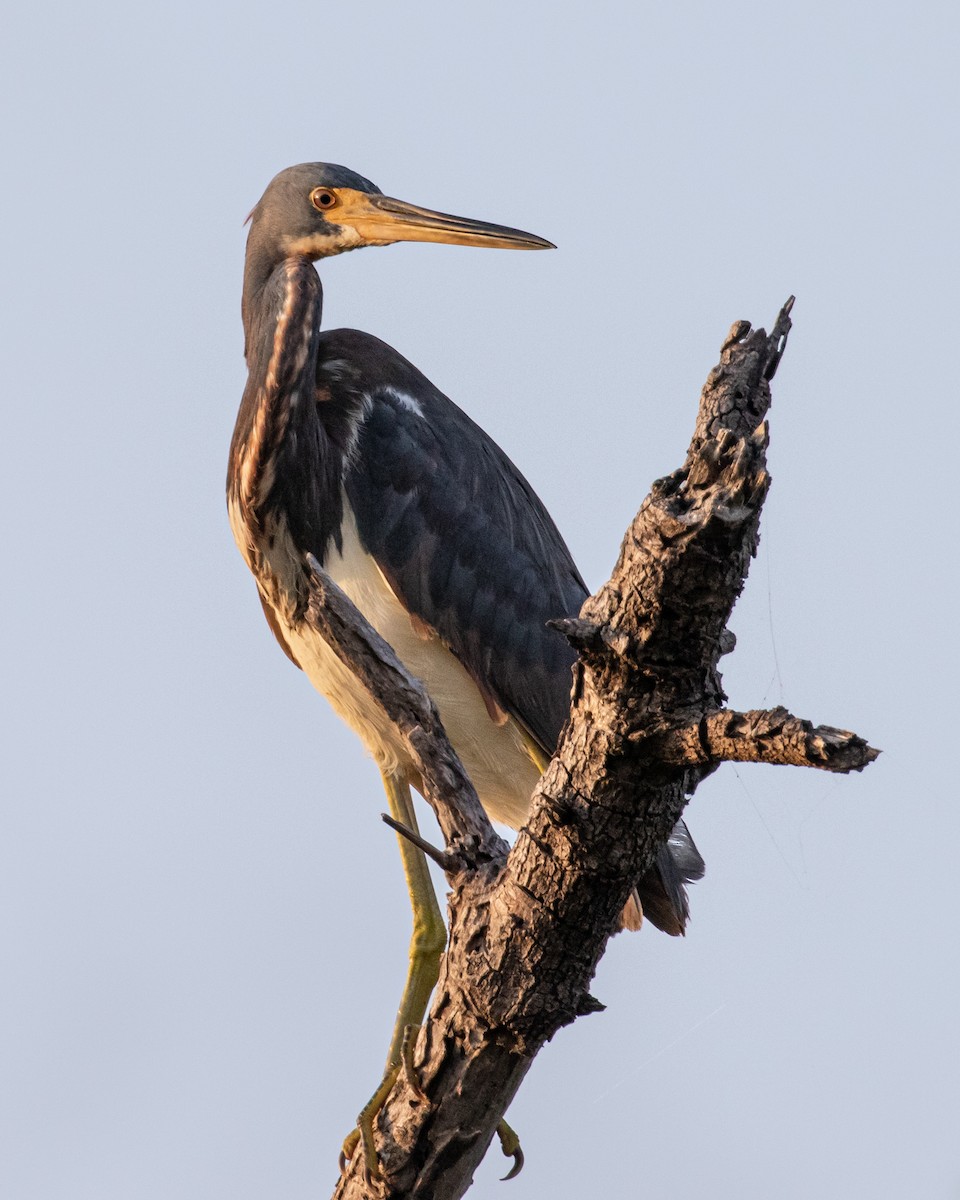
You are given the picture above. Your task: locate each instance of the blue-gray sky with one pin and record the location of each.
(203, 921)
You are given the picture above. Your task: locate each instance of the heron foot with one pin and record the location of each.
(510, 1145)
(362, 1136)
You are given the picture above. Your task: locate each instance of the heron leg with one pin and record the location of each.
(429, 932)
(426, 946)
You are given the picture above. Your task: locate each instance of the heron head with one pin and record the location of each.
(319, 209)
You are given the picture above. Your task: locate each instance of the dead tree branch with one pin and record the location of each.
(647, 724)
(769, 735)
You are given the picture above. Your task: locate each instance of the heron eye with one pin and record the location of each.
(323, 198)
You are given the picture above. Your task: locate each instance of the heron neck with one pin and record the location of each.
(282, 326)
(268, 283)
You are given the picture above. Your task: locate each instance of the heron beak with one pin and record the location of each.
(380, 220)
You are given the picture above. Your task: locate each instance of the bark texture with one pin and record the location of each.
(647, 723)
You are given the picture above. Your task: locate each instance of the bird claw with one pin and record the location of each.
(510, 1145)
(410, 1073)
(371, 1166)
(362, 1136)
(348, 1149)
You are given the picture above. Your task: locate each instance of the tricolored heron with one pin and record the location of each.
(343, 450)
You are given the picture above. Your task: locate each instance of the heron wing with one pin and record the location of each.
(460, 535)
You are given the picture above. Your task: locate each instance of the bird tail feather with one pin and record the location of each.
(661, 895)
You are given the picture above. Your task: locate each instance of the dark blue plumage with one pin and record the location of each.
(460, 535)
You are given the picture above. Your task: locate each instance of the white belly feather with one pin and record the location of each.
(494, 755)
